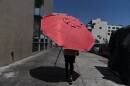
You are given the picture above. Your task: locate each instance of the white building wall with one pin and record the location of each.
(99, 30)
(112, 28)
(102, 31)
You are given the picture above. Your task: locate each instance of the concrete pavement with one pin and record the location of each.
(38, 70)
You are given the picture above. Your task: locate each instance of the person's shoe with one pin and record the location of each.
(71, 78)
(70, 83)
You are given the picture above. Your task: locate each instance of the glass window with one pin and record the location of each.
(38, 3)
(113, 27)
(108, 33)
(40, 42)
(36, 34)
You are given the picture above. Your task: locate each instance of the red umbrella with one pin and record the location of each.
(67, 32)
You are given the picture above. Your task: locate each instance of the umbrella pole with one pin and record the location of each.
(57, 57)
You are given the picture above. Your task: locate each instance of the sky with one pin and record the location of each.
(115, 12)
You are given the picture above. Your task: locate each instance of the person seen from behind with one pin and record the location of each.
(70, 56)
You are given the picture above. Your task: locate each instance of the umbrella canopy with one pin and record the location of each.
(67, 32)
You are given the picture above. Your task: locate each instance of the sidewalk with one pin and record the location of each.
(38, 70)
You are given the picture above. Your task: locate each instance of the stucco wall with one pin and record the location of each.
(16, 30)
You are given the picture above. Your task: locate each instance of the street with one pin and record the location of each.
(39, 70)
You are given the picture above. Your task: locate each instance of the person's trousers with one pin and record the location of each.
(69, 60)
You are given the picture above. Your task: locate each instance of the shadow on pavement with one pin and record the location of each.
(51, 74)
(108, 75)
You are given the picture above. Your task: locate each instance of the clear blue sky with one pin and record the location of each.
(115, 12)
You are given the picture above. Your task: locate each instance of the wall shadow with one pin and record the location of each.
(51, 74)
(108, 75)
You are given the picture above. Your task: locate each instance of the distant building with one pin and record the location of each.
(59, 14)
(101, 30)
(112, 28)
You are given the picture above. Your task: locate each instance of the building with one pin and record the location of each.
(18, 28)
(16, 23)
(101, 30)
(42, 8)
(59, 14)
(112, 28)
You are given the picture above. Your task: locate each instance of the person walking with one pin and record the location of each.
(69, 56)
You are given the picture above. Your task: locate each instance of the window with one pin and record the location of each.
(109, 27)
(108, 33)
(38, 3)
(113, 27)
(38, 41)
